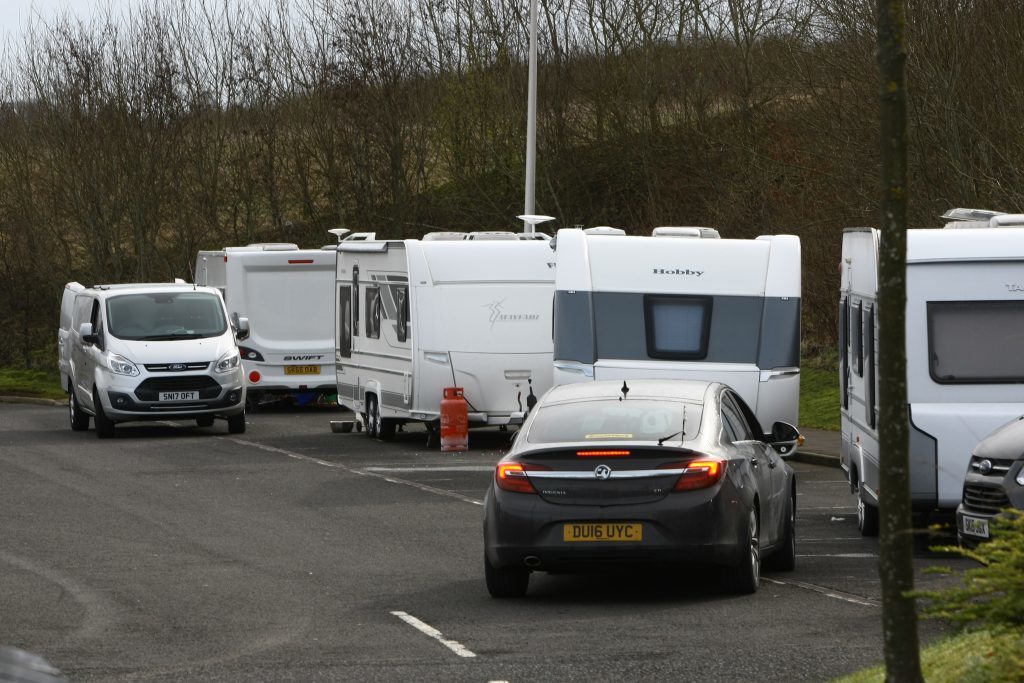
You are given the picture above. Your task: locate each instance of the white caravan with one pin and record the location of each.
(150, 352)
(965, 369)
(684, 304)
(286, 293)
(416, 316)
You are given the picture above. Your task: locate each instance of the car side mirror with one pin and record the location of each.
(785, 438)
(241, 326)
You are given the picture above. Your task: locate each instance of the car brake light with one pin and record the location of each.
(512, 476)
(697, 474)
(602, 454)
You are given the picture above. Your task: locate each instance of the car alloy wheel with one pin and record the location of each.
(784, 558)
(745, 577)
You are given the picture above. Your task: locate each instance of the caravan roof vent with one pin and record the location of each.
(444, 236)
(1006, 220)
(360, 237)
(604, 230)
(274, 246)
(954, 215)
(672, 231)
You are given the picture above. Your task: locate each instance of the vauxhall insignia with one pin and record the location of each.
(602, 472)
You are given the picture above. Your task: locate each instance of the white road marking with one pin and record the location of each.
(426, 629)
(361, 473)
(827, 592)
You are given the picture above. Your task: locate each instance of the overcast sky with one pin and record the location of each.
(15, 13)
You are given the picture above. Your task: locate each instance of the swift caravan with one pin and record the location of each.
(965, 370)
(417, 316)
(286, 293)
(682, 303)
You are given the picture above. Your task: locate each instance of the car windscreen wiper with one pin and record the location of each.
(681, 432)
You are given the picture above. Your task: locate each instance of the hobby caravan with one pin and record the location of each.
(682, 303)
(965, 369)
(287, 294)
(416, 316)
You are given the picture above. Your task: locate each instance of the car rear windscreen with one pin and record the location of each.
(615, 420)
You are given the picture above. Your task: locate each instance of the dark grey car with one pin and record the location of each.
(994, 481)
(643, 471)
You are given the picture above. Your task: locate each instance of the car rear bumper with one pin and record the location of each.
(694, 527)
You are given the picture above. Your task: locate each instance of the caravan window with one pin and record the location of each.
(976, 342)
(844, 352)
(869, 342)
(373, 312)
(857, 332)
(402, 315)
(677, 326)
(345, 321)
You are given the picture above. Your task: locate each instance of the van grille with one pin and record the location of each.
(987, 499)
(176, 367)
(150, 389)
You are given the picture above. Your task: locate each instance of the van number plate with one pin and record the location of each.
(179, 395)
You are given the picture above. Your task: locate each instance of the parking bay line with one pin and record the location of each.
(428, 630)
(827, 592)
(352, 470)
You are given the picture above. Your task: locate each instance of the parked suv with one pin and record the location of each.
(151, 352)
(995, 480)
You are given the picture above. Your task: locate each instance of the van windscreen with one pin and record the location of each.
(159, 316)
(976, 342)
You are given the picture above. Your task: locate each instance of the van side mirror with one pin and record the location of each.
(785, 438)
(86, 334)
(241, 326)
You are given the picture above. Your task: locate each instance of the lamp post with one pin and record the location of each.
(531, 122)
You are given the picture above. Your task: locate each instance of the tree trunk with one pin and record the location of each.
(896, 561)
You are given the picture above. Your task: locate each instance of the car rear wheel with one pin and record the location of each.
(867, 515)
(104, 425)
(236, 423)
(79, 420)
(507, 582)
(205, 420)
(784, 558)
(743, 579)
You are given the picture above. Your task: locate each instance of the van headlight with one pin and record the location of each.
(228, 362)
(122, 366)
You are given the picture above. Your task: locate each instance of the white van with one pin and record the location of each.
(965, 369)
(685, 304)
(151, 352)
(287, 294)
(416, 316)
(67, 307)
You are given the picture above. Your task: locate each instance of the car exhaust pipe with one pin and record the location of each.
(531, 561)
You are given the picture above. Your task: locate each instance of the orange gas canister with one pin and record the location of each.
(454, 421)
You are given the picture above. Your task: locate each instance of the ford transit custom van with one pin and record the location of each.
(153, 352)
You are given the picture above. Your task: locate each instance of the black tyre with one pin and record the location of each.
(236, 424)
(507, 582)
(104, 425)
(372, 417)
(784, 559)
(744, 578)
(867, 515)
(79, 420)
(388, 429)
(205, 421)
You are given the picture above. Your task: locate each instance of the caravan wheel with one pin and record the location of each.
(372, 417)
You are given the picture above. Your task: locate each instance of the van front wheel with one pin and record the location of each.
(104, 425)
(236, 424)
(79, 420)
